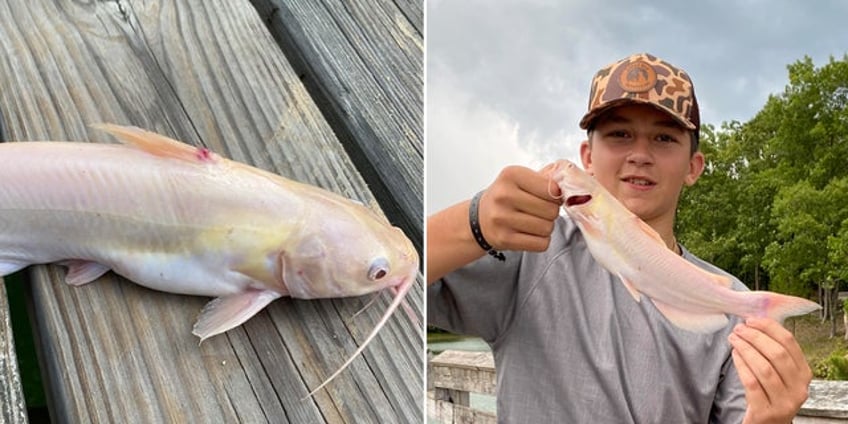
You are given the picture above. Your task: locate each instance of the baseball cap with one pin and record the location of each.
(644, 78)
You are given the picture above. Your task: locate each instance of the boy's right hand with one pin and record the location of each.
(518, 210)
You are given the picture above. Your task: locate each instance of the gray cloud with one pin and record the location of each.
(528, 64)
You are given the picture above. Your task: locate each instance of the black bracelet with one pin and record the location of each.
(475, 228)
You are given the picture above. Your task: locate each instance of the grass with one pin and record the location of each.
(440, 337)
(813, 336)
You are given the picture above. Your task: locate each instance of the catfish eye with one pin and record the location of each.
(379, 269)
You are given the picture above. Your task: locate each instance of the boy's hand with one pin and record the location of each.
(772, 369)
(518, 210)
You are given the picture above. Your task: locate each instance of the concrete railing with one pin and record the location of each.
(454, 375)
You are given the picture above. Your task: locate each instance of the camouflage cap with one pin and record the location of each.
(643, 78)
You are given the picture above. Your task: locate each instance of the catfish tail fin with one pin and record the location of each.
(780, 306)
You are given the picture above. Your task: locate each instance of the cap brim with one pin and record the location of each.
(589, 118)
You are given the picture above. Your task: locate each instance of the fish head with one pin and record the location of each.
(347, 251)
(582, 196)
(361, 253)
(578, 187)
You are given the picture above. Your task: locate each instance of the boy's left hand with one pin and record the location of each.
(772, 369)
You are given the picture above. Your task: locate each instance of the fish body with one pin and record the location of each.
(690, 297)
(180, 219)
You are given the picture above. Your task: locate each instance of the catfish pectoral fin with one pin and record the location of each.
(227, 312)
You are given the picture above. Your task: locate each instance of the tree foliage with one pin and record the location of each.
(772, 204)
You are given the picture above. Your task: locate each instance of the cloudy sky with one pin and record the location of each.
(508, 80)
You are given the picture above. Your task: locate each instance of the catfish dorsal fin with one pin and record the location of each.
(157, 144)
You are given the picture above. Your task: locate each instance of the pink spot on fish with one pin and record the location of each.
(203, 154)
(762, 310)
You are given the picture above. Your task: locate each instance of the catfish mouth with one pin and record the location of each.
(577, 200)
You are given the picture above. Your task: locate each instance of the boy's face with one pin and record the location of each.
(643, 157)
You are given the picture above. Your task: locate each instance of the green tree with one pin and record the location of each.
(706, 215)
(772, 204)
(797, 256)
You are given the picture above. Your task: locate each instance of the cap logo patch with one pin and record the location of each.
(637, 77)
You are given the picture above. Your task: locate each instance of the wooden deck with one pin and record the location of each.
(325, 92)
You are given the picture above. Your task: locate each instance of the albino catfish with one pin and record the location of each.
(181, 219)
(688, 296)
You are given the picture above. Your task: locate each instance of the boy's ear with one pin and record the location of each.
(696, 168)
(586, 156)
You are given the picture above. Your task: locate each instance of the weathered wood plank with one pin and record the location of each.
(12, 407)
(414, 12)
(210, 74)
(363, 60)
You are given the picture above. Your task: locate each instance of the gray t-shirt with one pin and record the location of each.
(572, 346)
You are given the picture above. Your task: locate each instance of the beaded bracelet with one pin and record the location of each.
(475, 228)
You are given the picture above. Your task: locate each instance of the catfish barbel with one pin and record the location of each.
(181, 219)
(688, 296)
